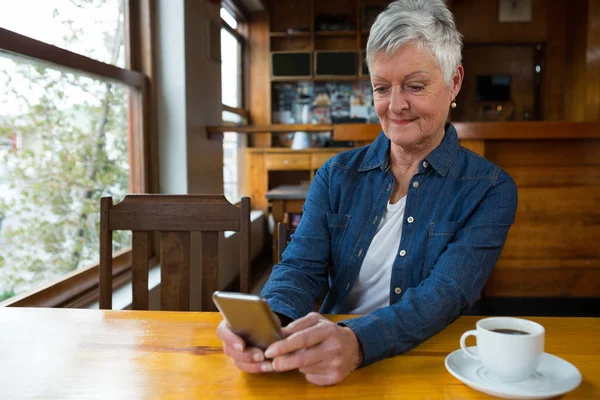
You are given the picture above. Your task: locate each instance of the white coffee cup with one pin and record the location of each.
(510, 357)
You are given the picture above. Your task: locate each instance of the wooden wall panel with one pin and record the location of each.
(553, 68)
(518, 61)
(543, 152)
(286, 15)
(539, 279)
(259, 85)
(533, 176)
(593, 62)
(575, 58)
(551, 250)
(477, 20)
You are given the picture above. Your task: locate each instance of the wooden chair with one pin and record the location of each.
(174, 216)
(284, 235)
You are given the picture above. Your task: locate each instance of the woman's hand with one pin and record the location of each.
(322, 350)
(249, 359)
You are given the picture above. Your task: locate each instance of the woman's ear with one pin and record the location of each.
(457, 79)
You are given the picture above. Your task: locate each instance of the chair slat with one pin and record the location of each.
(140, 244)
(245, 245)
(175, 213)
(105, 267)
(175, 271)
(210, 268)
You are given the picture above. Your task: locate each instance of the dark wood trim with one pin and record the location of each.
(23, 46)
(234, 32)
(68, 288)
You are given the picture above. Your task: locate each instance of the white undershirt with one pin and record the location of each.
(372, 287)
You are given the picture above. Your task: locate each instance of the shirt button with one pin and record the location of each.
(375, 219)
(389, 187)
(359, 252)
(415, 184)
(425, 164)
(402, 253)
(397, 290)
(410, 220)
(347, 286)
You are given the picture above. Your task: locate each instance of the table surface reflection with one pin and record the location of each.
(92, 354)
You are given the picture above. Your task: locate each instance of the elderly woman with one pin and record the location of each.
(405, 231)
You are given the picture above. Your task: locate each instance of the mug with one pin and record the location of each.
(510, 348)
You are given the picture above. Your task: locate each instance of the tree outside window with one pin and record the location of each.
(63, 142)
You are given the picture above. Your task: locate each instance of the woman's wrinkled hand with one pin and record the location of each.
(248, 359)
(320, 349)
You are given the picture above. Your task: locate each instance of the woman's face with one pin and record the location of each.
(410, 96)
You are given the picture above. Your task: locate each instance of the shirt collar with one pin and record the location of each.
(440, 158)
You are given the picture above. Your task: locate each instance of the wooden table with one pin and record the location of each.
(92, 354)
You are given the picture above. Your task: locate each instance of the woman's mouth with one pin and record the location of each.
(402, 122)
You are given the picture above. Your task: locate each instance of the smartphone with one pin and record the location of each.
(249, 317)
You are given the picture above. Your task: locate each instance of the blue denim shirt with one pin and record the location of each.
(462, 207)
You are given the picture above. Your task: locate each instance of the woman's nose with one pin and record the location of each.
(398, 101)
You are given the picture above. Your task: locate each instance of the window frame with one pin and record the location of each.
(80, 287)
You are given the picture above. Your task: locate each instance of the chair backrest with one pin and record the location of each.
(174, 216)
(284, 235)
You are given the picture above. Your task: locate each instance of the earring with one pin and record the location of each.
(453, 104)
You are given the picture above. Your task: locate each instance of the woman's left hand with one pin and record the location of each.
(322, 350)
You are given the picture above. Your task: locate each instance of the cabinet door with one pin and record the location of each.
(287, 161)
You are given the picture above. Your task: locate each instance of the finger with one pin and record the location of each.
(255, 368)
(300, 340)
(251, 354)
(299, 359)
(300, 324)
(226, 335)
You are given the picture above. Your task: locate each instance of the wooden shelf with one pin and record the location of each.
(216, 132)
(290, 34)
(320, 78)
(335, 33)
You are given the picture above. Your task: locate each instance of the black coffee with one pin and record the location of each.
(510, 331)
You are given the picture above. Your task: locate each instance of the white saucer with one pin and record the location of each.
(554, 377)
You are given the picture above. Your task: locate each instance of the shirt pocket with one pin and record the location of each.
(440, 234)
(338, 224)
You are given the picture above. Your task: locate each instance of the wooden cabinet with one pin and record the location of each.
(287, 161)
(263, 162)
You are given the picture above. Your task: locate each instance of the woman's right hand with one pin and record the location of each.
(249, 359)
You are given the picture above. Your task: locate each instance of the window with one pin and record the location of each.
(67, 135)
(232, 51)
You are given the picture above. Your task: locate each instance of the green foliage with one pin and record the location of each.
(74, 136)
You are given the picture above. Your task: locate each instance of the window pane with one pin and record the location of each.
(230, 166)
(228, 18)
(232, 117)
(93, 28)
(63, 145)
(230, 69)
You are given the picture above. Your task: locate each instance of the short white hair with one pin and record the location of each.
(427, 22)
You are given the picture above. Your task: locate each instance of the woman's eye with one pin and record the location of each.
(416, 88)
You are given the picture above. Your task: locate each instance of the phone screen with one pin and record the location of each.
(250, 317)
